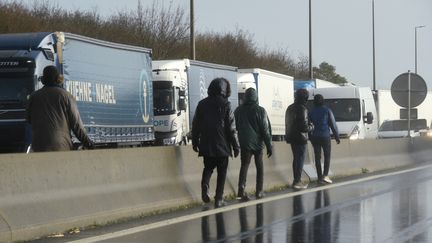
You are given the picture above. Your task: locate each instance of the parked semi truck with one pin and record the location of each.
(354, 110)
(111, 83)
(275, 93)
(178, 87)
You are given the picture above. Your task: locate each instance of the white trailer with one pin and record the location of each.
(275, 93)
(389, 110)
(178, 86)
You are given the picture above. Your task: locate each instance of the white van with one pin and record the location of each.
(354, 110)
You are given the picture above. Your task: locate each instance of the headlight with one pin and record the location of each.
(355, 133)
(169, 141)
(429, 133)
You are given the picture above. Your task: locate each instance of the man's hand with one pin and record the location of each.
(236, 152)
(269, 153)
(338, 141)
(195, 148)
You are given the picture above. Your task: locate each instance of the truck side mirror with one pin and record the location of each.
(368, 118)
(182, 100)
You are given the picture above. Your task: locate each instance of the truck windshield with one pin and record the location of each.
(163, 98)
(17, 79)
(343, 109)
(15, 89)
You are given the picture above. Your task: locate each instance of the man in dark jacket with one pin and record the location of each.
(53, 114)
(297, 127)
(214, 136)
(254, 131)
(323, 120)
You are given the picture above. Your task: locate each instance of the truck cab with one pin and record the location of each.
(22, 60)
(178, 86)
(169, 100)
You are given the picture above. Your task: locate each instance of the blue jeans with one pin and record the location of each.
(323, 143)
(299, 152)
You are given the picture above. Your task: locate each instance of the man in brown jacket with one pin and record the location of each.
(53, 113)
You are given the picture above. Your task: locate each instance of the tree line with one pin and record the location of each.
(164, 29)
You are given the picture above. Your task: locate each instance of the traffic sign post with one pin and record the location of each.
(409, 90)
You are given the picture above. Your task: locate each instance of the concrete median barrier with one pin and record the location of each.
(45, 193)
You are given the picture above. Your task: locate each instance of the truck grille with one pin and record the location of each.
(18, 114)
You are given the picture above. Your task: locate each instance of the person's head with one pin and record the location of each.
(318, 100)
(251, 96)
(219, 87)
(301, 96)
(51, 76)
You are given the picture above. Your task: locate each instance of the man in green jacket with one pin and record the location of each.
(254, 130)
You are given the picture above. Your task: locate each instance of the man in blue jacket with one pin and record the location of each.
(323, 120)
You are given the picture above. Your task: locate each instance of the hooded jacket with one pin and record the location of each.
(213, 126)
(297, 125)
(53, 114)
(252, 123)
(323, 119)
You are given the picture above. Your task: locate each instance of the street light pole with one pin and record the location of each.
(373, 45)
(310, 41)
(415, 46)
(192, 31)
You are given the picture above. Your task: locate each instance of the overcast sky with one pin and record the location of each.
(341, 30)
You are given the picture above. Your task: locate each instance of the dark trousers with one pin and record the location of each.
(299, 153)
(245, 158)
(323, 143)
(210, 163)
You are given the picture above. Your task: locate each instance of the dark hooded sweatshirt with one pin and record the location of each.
(252, 123)
(297, 124)
(213, 128)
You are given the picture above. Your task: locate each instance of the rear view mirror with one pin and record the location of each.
(182, 100)
(368, 118)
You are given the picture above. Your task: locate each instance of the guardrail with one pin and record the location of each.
(44, 193)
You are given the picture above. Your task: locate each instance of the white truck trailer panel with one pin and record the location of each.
(389, 110)
(275, 93)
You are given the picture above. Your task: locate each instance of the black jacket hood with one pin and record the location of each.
(219, 87)
(251, 96)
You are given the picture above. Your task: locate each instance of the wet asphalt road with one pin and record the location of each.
(392, 207)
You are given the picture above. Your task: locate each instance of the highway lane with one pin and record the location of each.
(392, 207)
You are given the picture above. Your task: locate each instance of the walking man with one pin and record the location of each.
(214, 136)
(254, 131)
(53, 114)
(323, 120)
(297, 127)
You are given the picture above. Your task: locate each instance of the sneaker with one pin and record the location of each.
(204, 195)
(327, 180)
(243, 198)
(259, 195)
(205, 198)
(219, 203)
(300, 186)
(321, 181)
